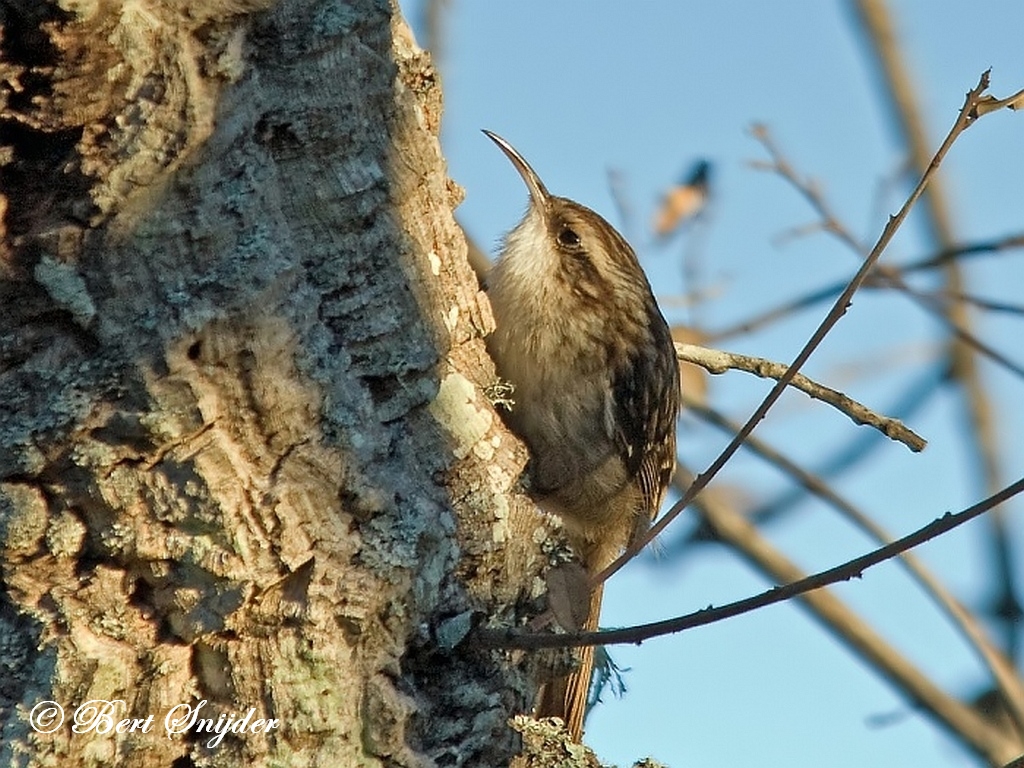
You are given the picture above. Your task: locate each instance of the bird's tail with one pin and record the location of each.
(566, 697)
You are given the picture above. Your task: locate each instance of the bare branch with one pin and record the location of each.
(779, 312)
(939, 259)
(716, 362)
(509, 638)
(991, 103)
(948, 254)
(989, 305)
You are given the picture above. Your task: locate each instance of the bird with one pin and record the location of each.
(580, 337)
(684, 201)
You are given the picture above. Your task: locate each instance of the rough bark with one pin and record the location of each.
(244, 454)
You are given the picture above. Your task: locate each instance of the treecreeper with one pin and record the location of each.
(580, 337)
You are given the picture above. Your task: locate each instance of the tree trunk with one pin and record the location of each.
(244, 454)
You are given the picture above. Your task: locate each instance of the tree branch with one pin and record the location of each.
(939, 259)
(509, 638)
(716, 362)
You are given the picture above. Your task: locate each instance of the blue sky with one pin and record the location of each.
(648, 87)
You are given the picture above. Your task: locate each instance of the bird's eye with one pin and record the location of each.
(568, 237)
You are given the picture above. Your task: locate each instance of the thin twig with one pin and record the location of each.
(827, 220)
(823, 294)
(780, 312)
(716, 361)
(852, 569)
(982, 248)
(943, 296)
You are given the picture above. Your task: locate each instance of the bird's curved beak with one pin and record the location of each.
(538, 192)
